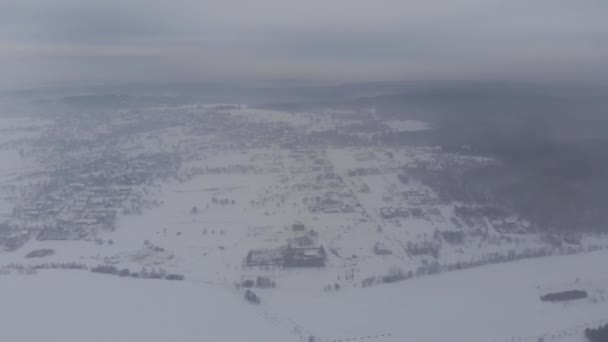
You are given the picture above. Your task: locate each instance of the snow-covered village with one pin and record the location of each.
(284, 215)
(303, 171)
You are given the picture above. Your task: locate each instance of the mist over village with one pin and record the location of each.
(317, 172)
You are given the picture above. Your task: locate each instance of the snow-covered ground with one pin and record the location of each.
(73, 306)
(490, 303)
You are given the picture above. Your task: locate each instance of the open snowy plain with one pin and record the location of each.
(491, 303)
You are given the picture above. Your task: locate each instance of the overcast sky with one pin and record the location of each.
(314, 40)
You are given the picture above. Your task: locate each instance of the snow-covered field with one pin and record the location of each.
(73, 306)
(490, 303)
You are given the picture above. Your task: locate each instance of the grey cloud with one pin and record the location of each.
(340, 40)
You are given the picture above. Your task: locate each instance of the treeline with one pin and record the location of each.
(104, 269)
(33, 269)
(564, 296)
(556, 188)
(599, 334)
(260, 282)
(396, 274)
(144, 273)
(550, 140)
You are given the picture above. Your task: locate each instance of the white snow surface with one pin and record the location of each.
(490, 303)
(73, 306)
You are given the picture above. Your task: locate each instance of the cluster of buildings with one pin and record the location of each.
(334, 202)
(87, 195)
(287, 256)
